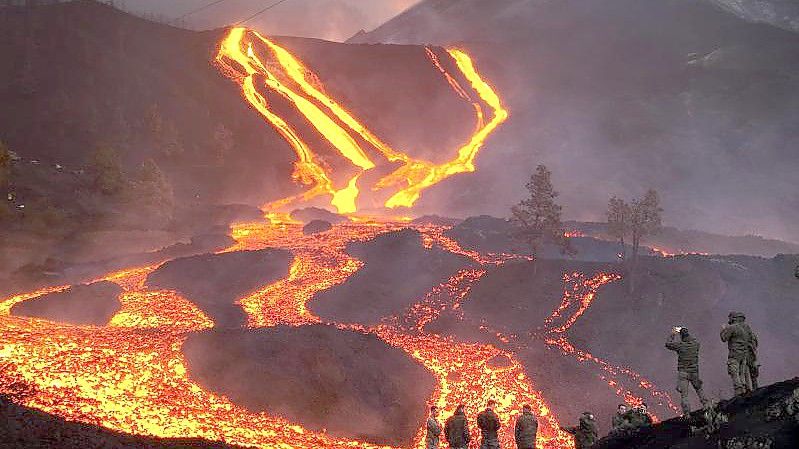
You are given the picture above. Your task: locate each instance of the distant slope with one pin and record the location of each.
(620, 95)
(781, 13)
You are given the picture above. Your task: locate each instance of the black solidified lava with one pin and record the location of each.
(92, 304)
(215, 281)
(398, 271)
(352, 384)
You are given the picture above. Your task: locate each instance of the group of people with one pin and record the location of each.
(742, 367)
(742, 364)
(456, 428)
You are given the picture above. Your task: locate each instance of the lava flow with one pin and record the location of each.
(256, 62)
(131, 376)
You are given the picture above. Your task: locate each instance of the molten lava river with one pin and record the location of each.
(131, 375)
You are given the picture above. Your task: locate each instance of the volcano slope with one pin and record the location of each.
(149, 91)
(671, 94)
(351, 384)
(153, 91)
(617, 329)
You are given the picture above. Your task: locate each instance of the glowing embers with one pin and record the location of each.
(260, 66)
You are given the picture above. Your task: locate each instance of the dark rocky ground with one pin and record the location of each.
(316, 226)
(766, 418)
(215, 281)
(310, 214)
(351, 384)
(26, 428)
(92, 304)
(398, 272)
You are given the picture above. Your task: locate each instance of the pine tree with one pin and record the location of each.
(538, 217)
(153, 184)
(106, 170)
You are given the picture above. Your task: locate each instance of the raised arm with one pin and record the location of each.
(672, 342)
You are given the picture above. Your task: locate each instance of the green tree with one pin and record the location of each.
(106, 171)
(538, 217)
(619, 215)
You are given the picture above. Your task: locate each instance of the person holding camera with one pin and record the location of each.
(687, 348)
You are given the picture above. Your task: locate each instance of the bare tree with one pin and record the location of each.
(645, 219)
(538, 217)
(619, 215)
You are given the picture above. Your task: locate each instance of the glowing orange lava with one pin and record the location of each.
(256, 62)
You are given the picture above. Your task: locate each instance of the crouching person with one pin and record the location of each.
(585, 433)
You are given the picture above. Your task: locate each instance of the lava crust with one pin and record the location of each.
(352, 384)
(215, 281)
(398, 271)
(92, 304)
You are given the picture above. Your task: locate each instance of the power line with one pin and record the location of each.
(261, 12)
(201, 8)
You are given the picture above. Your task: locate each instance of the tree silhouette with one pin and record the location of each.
(538, 217)
(106, 170)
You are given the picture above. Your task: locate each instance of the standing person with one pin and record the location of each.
(585, 434)
(619, 421)
(526, 429)
(488, 422)
(742, 357)
(687, 348)
(456, 429)
(433, 429)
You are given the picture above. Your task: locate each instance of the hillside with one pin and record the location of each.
(90, 93)
(629, 330)
(621, 95)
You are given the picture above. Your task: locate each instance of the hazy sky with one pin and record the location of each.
(327, 19)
